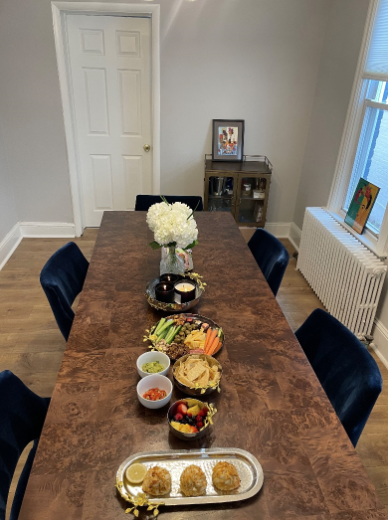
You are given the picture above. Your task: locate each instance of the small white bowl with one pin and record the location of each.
(148, 357)
(154, 381)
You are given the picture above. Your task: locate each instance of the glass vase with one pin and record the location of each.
(170, 262)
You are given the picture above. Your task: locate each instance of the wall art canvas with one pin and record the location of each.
(361, 205)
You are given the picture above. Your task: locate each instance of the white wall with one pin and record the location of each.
(336, 74)
(8, 211)
(251, 59)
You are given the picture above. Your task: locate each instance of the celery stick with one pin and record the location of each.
(165, 326)
(159, 326)
(175, 333)
(162, 335)
(170, 334)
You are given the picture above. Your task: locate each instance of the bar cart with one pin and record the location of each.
(241, 188)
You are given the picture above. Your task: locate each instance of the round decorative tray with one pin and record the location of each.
(170, 307)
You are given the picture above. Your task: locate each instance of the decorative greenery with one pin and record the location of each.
(204, 388)
(212, 411)
(197, 278)
(137, 501)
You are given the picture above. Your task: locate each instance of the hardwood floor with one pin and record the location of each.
(31, 345)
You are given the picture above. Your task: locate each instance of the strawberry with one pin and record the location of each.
(203, 412)
(178, 417)
(189, 414)
(182, 408)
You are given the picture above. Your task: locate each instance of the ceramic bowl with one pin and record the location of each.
(154, 381)
(195, 391)
(182, 435)
(149, 357)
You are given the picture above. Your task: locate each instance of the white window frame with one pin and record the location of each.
(349, 143)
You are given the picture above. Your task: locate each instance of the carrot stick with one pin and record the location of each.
(209, 331)
(213, 346)
(211, 339)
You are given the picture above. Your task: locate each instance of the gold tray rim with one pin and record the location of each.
(204, 453)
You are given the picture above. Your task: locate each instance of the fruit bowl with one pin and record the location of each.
(200, 419)
(200, 391)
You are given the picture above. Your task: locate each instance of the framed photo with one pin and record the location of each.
(361, 205)
(228, 139)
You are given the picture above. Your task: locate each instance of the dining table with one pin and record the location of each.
(271, 403)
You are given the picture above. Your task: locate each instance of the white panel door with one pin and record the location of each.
(110, 69)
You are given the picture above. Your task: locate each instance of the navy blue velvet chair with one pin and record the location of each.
(62, 279)
(143, 202)
(348, 373)
(271, 256)
(22, 414)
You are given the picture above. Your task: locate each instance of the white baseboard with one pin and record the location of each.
(32, 230)
(47, 230)
(295, 235)
(283, 230)
(380, 341)
(278, 229)
(9, 244)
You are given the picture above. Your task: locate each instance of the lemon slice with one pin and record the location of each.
(135, 473)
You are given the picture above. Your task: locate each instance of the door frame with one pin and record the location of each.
(59, 12)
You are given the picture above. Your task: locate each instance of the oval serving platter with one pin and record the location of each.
(199, 317)
(170, 307)
(249, 469)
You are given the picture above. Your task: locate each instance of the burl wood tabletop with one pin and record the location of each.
(271, 403)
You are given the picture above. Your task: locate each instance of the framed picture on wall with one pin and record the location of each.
(228, 139)
(361, 205)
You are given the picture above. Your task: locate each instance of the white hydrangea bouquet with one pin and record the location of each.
(174, 227)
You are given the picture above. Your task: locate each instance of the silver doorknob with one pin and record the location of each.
(146, 147)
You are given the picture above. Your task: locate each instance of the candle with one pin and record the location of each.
(184, 291)
(172, 278)
(164, 292)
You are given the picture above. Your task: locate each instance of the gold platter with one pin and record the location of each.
(248, 467)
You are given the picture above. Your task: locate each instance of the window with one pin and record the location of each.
(364, 151)
(371, 161)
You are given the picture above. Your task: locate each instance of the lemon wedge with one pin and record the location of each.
(135, 473)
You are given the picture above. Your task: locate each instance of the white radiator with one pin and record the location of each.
(345, 275)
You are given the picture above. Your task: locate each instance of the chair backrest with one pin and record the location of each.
(143, 202)
(62, 279)
(271, 256)
(348, 373)
(22, 414)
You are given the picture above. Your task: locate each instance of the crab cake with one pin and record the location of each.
(225, 476)
(193, 481)
(157, 481)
